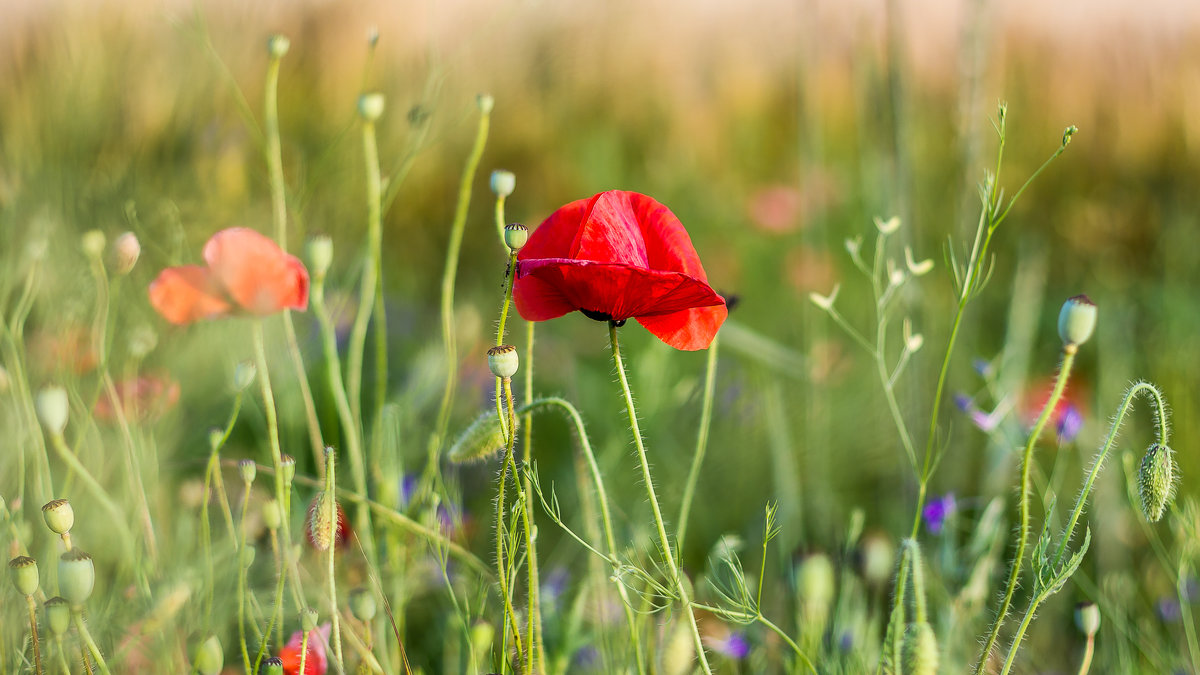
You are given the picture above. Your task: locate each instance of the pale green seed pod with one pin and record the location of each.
(208, 657)
(277, 46)
(287, 465)
(52, 409)
(503, 182)
(58, 615)
(320, 256)
(24, 573)
(1087, 618)
(308, 619)
(362, 603)
(76, 576)
(126, 250)
(59, 516)
(93, 243)
(485, 103)
(248, 555)
(814, 580)
(484, 438)
(515, 236)
(877, 558)
(272, 666)
(920, 650)
(1156, 481)
(247, 469)
(370, 106)
(272, 515)
(244, 374)
(503, 361)
(1077, 320)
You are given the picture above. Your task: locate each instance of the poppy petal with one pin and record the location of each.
(188, 293)
(259, 276)
(618, 290)
(609, 232)
(668, 246)
(554, 237)
(688, 329)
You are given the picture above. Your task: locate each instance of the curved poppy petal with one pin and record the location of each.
(688, 329)
(188, 293)
(618, 290)
(554, 237)
(609, 232)
(259, 276)
(668, 246)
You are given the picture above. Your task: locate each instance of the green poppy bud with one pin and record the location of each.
(920, 650)
(288, 469)
(322, 521)
(24, 572)
(503, 182)
(272, 515)
(370, 106)
(277, 46)
(503, 361)
(485, 103)
(247, 469)
(59, 516)
(515, 236)
(208, 657)
(93, 243)
(320, 256)
(484, 438)
(243, 375)
(1077, 320)
(76, 576)
(58, 615)
(52, 409)
(1156, 481)
(126, 250)
(1087, 618)
(248, 555)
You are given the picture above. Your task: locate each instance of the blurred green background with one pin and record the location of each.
(773, 129)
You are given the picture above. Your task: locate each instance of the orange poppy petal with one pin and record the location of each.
(258, 275)
(186, 294)
(689, 329)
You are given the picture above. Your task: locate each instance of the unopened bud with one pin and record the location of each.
(287, 468)
(247, 469)
(503, 182)
(277, 46)
(272, 515)
(1077, 320)
(370, 106)
(362, 603)
(920, 650)
(320, 256)
(59, 516)
(52, 409)
(208, 657)
(1156, 481)
(484, 438)
(485, 103)
(93, 243)
(126, 250)
(243, 375)
(503, 361)
(1087, 618)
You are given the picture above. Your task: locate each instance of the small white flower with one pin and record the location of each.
(853, 245)
(889, 226)
(825, 302)
(912, 342)
(895, 274)
(917, 268)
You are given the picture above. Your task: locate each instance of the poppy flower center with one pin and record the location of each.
(602, 316)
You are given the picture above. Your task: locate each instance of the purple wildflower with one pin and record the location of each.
(734, 646)
(937, 511)
(1070, 421)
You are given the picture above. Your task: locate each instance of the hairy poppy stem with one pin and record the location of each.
(1060, 384)
(510, 614)
(664, 540)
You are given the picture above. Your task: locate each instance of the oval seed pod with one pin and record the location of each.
(52, 409)
(208, 657)
(1156, 481)
(76, 576)
(58, 615)
(1087, 618)
(503, 361)
(24, 572)
(1077, 320)
(503, 182)
(362, 603)
(515, 235)
(59, 516)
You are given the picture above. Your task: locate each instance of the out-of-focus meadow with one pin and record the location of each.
(774, 130)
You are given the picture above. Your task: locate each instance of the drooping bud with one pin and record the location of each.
(126, 250)
(503, 182)
(52, 409)
(277, 46)
(362, 603)
(58, 615)
(59, 516)
(1077, 320)
(515, 235)
(93, 243)
(76, 576)
(920, 650)
(1156, 481)
(24, 572)
(247, 469)
(208, 658)
(370, 106)
(484, 438)
(320, 256)
(1087, 618)
(503, 361)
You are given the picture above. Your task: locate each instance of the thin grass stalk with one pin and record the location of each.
(706, 406)
(664, 541)
(86, 637)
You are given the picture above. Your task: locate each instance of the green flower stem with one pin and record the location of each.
(510, 615)
(62, 656)
(1085, 664)
(241, 578)
(81, 626)
(97, 490)
(1014, 574)
(33, 634)
(689, 490)
(605, 513)
(12, 332)
(447, 306)
(274, 155)
(330, 483)
(304, 651)
(535, 584)
(131, 464)
(664, 541)
(537, 655)
(499, 213)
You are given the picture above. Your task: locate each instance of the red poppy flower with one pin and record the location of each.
(616, 256)
(316, 662)
(246, 272)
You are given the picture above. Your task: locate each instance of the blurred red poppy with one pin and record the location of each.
(246, 273)
(142, 398)
(616, 256)
(316, 662)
